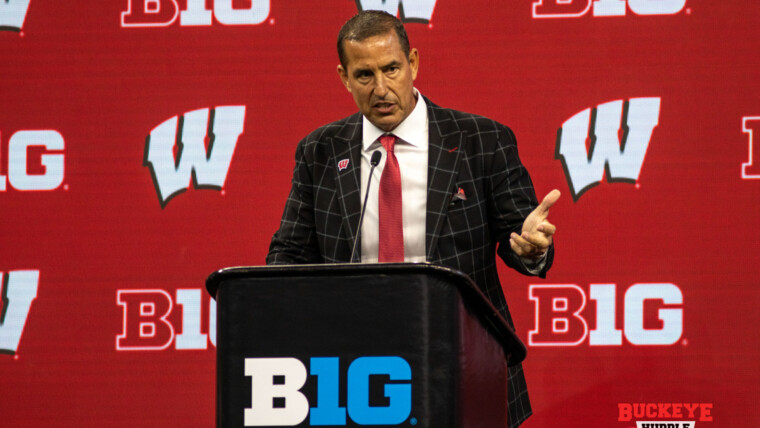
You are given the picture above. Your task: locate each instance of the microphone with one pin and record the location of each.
(374, 161)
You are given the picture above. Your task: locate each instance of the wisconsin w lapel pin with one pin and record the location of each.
(342, 164)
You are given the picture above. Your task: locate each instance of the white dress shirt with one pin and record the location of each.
(412, 154)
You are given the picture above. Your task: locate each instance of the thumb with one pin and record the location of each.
(549, 200)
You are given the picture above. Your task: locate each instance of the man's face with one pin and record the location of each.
(380, 78)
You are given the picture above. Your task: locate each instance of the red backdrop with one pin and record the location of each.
(641, 113)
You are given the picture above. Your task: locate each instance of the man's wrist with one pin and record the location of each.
(534, 266)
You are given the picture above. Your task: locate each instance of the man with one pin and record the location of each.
(450, 188)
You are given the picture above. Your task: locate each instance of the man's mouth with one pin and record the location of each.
(383, 107)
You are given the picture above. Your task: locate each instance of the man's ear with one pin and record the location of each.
(414, 62)
(343, 74)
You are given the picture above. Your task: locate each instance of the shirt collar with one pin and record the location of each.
(412, 130)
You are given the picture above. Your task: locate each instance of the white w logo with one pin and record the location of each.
(12, 14)
(620, 159)
(18, 289)
(410, 10)
(208, 168)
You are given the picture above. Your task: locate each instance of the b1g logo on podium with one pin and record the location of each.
(276, 399)
(578, 8)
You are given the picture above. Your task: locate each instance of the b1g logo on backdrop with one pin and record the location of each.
(620, 160)
(18, 289)
(13, 14)
(407, 10)
(276, 398)
(163, 13)
(147, 324)
(35, 161)
(560, 320)
(751, 168)
(578, 8)
(199, 145)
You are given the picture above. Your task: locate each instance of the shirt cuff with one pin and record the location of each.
(534, 267)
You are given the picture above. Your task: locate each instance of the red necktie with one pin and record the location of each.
(391, 245)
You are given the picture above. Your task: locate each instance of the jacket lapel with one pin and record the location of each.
(346, 144)
(444, 144)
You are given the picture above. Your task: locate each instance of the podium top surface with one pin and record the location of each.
(481, 307)
(273, 271)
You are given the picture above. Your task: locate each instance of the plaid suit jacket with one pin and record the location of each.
(476, 154)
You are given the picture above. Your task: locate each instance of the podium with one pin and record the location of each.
(407, 344)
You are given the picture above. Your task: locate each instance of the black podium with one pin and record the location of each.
(412, 345)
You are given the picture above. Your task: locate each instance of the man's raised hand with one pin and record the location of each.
(537, 232)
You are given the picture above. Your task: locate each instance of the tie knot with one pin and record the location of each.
(388, 141)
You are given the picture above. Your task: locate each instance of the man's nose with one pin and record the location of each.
(381, 86)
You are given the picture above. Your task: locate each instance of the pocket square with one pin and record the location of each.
(458, 196)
